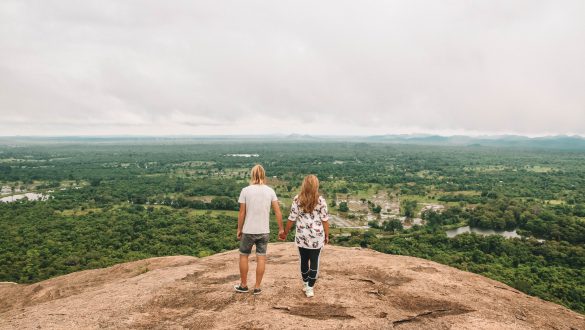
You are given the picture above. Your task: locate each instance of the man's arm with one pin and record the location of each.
(278, 214)
(241, 219)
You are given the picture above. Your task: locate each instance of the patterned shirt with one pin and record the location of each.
(310, 233)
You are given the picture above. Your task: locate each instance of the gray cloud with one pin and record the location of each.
(327, 67)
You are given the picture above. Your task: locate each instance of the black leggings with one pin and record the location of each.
(309, 264)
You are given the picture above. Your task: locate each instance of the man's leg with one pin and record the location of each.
(244, 270)
(245, 249)
(260, 267)
(261, 247)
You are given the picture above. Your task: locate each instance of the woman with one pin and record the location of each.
(309, 213)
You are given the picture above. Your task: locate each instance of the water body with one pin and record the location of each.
(30, 196)
(243, 155)
(485, 232)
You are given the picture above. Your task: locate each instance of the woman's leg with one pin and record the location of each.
(313, 266)
(304, 259)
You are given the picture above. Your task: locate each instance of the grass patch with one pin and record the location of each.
(78, 212)
(539, 169)
(213, 212)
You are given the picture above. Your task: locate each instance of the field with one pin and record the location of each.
(112, 201)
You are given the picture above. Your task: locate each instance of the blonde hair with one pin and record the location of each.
(309, 196)
(258, 175)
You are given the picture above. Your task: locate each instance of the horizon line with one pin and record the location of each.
(501, 135)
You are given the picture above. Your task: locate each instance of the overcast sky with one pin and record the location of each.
(310, 67)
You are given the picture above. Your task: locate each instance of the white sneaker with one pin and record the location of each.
(310, 293)
(305, 286)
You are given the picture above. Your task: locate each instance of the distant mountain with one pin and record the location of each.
(562, 142)
(302, 137)
(548, 142)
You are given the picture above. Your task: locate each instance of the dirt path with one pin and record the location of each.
(357, 289)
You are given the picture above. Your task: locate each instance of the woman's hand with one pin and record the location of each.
(282, 235)
(289, 225)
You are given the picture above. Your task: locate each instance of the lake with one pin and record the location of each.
(485, 232)
(243, 155)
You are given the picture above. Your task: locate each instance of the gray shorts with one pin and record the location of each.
(248, 240)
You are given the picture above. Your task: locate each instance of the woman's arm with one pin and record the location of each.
(324, 213)
(289, 225)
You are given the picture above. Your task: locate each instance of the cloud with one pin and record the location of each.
(330, 67)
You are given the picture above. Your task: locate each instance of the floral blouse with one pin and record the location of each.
(310, 233)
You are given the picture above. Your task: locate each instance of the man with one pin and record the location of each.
(253, 225)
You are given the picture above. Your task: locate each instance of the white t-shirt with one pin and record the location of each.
(258, 199)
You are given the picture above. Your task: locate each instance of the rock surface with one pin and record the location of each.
(357, 289)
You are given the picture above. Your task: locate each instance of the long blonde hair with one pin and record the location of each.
(309, 196)
(257, 175)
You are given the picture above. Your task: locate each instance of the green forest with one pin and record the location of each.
(106, 202)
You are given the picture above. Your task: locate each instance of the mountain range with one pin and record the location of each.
(563, 142)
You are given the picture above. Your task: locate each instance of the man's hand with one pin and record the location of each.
(239, 235)
(281, 235)
(289, 225)
(326, 239)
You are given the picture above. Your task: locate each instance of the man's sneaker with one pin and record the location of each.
(257, 291)
(240, 288)
(305, 286)
(309, 292)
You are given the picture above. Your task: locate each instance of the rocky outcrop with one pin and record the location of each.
(357, 289)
